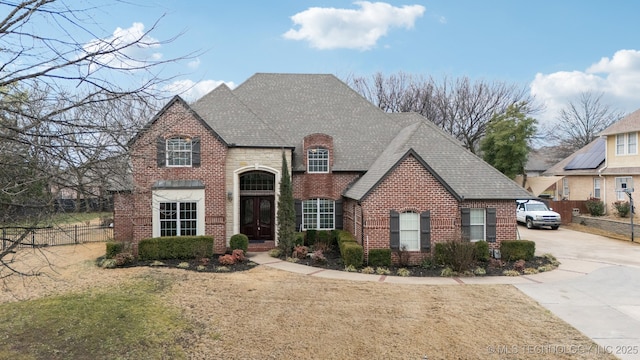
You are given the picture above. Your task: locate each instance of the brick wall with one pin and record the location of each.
(178, 120)
(122, 217)
(412, 188)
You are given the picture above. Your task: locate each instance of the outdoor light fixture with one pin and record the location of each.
(229, 195)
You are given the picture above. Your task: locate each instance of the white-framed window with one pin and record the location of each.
(627, 144)
(596, 188)
(477, 225)
(318, 214)
(410, 231)
(623, 183)
(179, 151)
(178, 218)
(318, 160)
(178, 212)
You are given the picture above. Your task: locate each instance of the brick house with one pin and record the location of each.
(393, 180)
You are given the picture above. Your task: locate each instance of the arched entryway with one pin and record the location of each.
(257, 205)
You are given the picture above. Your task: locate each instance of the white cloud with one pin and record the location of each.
(138, 49)
(618, 78)
(191, 90)
(331, 28)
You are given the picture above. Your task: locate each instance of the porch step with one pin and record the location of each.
(261, 246)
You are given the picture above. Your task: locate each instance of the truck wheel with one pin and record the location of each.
(529, 224)
(555, 227)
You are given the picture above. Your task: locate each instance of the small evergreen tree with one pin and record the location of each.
(286, 211)
(506, 144)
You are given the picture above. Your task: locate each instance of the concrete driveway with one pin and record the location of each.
(599, 292)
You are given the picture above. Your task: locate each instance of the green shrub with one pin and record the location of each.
(345, 237)
(460, 256)
(517, 250)
(175, 247)
(380, 257)
(239, 241)
(299, 239)
(428, 263)
(113, 249)
(311, 237)
(622, 208)
(482, 251)
(352, 254)
(595, 207)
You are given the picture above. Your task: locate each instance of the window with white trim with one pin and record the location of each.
(627, 144)
(410, 231)
(477, 225)
(318, 160)
(596, 188)
(565, 188)
(623, 183)
(178, 219)
(179, 151)
(318, 214)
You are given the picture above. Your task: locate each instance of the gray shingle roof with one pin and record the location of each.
(279, 110)
(463, 173)
(297, 105)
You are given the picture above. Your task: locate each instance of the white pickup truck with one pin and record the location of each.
(535, 214)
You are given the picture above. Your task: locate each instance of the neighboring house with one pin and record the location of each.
(539, 161)
(393, 180)
(604, 166)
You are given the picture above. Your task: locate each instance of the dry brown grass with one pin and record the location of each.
(270, 314)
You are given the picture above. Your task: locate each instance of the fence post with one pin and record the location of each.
(4, 238)
(75, 233)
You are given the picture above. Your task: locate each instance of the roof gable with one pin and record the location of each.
(464, 174)
(629, 123)
(175, 101)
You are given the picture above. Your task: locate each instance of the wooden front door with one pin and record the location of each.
(257, 217)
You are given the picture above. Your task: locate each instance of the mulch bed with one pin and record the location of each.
(211, 265)
(334, 262)
(492, 268)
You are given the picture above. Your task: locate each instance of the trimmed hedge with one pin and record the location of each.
(517, 250)
(239, 241)
(299, 239)
(482, 251)
(175, 247)
(113, 249)
(380, 257)
(352, 254)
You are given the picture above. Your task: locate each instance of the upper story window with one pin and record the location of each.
(178, 151)
(627, 144)
(318, 160)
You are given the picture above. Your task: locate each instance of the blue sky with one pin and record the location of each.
(558, 49)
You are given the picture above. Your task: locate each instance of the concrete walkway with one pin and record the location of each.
(596, 289)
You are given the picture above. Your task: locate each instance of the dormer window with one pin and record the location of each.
(179, 151)
(318, 160)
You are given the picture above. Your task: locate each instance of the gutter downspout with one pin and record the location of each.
(606, 163)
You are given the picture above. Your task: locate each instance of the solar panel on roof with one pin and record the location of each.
(590, 159)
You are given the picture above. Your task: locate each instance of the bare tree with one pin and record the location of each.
(580, 121)
(66, 104)
(461, 107)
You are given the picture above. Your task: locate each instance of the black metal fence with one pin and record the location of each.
(55, 235)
